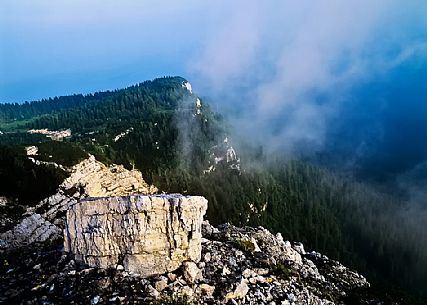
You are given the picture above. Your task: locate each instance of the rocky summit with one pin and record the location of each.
(147, 235)
(121, 248)
(237, 266)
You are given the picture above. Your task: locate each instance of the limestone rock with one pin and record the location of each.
(87, 178)
(146, 234)
(241, 290)
(33, 228)
(191, 272)
(207, 290)
(250, 279)
(98, 180)
(57, 135)
(161, 284)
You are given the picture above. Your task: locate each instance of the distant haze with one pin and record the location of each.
(346, 78)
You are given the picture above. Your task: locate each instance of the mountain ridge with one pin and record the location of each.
(173, 132)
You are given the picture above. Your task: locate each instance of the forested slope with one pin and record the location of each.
(163, 129)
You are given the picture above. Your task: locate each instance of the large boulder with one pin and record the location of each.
(146, 234)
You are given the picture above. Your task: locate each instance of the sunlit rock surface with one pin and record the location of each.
(145, 234)
(89, 178)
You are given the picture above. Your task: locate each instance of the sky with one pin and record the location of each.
(50, 48)
(298, 75)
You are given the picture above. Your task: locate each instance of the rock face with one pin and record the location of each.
(230, 272)
(98, 180)
(89, 178)
(146, 234)
(31, 229)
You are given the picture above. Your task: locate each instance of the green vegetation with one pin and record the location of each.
(170, 144)
(25, 181)
(284, 271)
(64, 153)
(244, 244)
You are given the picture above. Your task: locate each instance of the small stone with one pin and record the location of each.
(248, 273)
(86, 271)
(226, 271)
(299, 247)
(261, 271)
(71, 265)
(207, 257)
(256, 248)
(240, 292)
(201, 265)
(186, 291)
(291, 297)
(207, 289)
(239, 253)
(161, 284)
(95, 300)
(171, 276)
(252, 280)
(151, 291)
(37, 267)
(191, 272)
(181, 281)
(120, 268)
(207, 229)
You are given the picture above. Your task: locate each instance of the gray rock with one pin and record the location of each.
(207, 290)
(207, 257)
(33, 228)
(191, 272)
(95, 300)
(240, 291)
(153, 234)
(152, 292)
(171, 277)
(161, 284)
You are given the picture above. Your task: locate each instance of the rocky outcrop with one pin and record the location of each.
(57, 135)
(146, 234)
(33, 228)
(238, 266)
(98, 180)
(223, 154)
(89, 178)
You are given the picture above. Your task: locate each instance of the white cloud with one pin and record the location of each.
(286, 54)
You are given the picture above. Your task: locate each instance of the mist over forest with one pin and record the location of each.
(324, 103)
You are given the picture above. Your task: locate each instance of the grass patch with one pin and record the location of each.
(244, 244)
(283, 271)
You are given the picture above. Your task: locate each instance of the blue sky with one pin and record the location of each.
(289, 68)
(53, 48)
(297, 73)
(50, 48)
